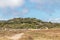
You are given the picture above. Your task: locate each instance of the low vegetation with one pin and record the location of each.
(27, 23)
(32, 28)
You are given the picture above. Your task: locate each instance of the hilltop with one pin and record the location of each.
(27, 23)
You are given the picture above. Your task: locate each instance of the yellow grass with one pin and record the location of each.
(49, 34)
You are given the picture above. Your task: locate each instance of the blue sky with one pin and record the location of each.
(46, 10)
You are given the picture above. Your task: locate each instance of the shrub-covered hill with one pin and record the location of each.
(27, 23)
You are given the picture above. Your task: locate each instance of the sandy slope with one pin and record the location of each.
(16, 36)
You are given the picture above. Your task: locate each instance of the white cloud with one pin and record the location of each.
(9, 8)
(55, 20)
(11, 3)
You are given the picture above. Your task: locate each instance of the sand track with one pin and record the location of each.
(16, 36)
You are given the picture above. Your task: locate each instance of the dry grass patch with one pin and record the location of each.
(49, 34)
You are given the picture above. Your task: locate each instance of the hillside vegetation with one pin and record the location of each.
(27, 23)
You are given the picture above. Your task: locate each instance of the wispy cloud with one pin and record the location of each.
(48, 6)
(55, 20)
(12, 8)
(12, 13)
(20, 13)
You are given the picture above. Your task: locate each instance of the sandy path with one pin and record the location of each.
(16, 36)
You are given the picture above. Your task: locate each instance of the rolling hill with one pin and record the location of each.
(27, 23)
